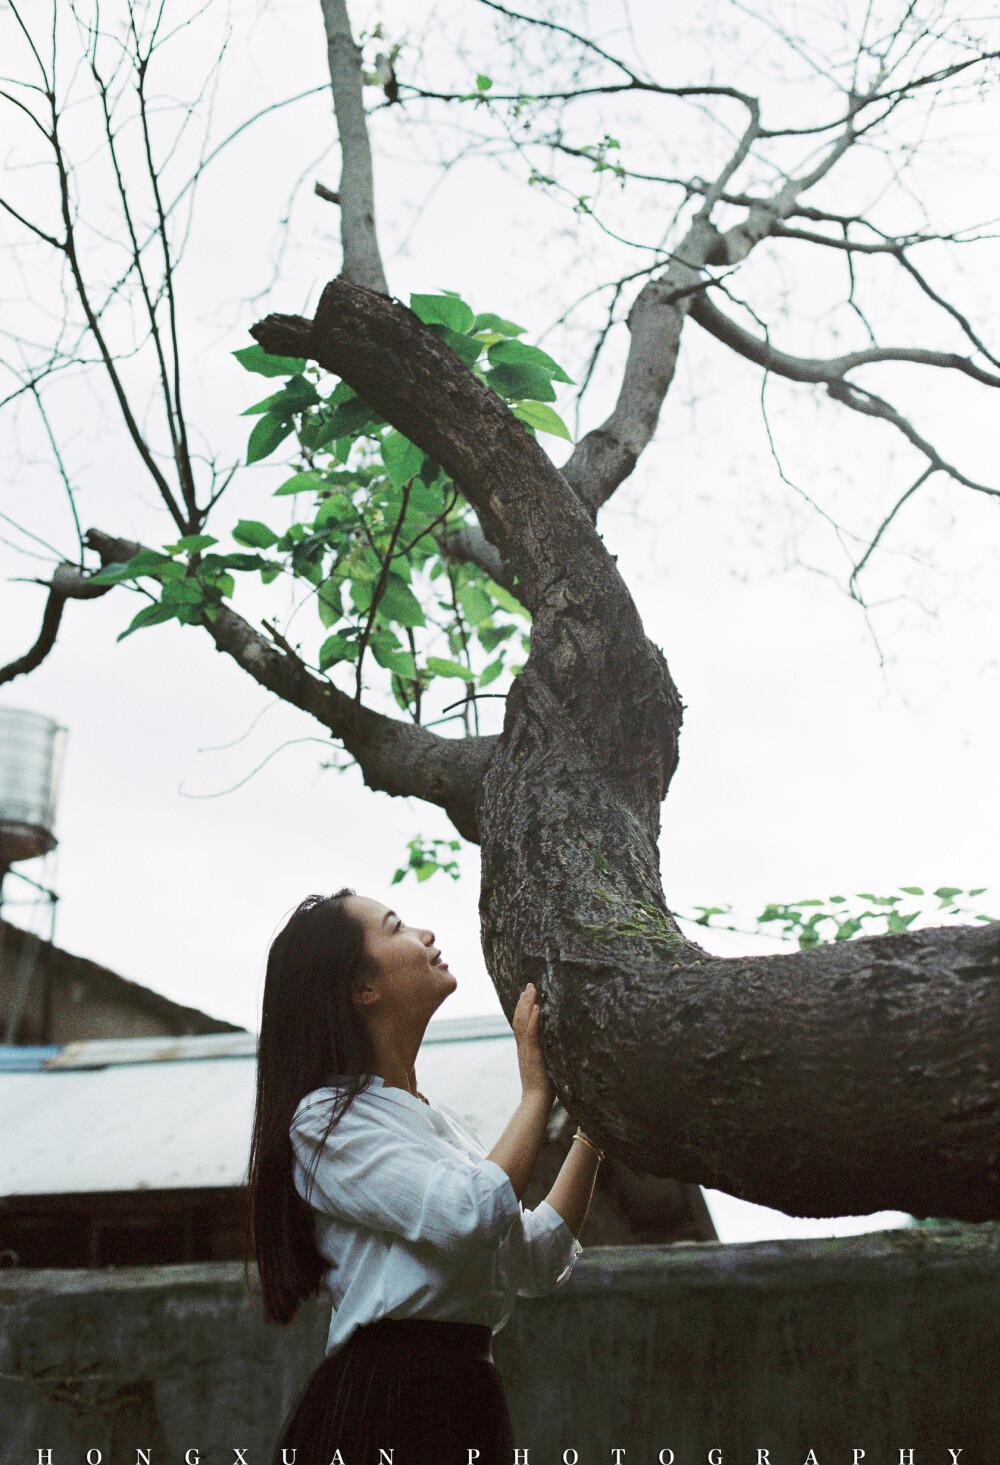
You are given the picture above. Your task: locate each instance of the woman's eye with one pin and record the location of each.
(399, 927)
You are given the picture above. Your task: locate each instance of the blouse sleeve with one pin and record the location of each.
(369, 1174)
(551, 1250)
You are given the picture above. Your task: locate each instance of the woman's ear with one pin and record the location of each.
(364, 992)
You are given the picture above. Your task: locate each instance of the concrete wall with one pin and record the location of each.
(883, 1343)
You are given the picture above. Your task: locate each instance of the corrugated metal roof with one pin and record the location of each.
(173, 1113)
(100, 1053)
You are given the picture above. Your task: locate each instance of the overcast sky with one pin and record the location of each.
(823, 752)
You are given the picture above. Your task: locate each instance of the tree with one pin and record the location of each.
(842, 1078)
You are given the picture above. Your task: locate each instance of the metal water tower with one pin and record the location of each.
(31, 750)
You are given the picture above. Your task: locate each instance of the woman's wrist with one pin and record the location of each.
(538, 1093)
(589, 1143)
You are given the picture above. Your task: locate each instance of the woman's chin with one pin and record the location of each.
(452, 984)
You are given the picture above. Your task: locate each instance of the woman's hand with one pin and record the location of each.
(534, 1078)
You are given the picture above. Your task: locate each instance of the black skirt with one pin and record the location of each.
(429, 1392)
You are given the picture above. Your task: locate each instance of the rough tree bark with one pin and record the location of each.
(838, 1080)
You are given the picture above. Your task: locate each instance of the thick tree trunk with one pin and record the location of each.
(840, 1080)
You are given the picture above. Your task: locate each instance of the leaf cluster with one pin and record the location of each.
(842, 917)
(427, 857)
(370, 550)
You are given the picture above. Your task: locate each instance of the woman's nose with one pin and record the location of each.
(428, 938)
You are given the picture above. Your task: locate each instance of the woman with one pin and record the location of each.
(359, 1182)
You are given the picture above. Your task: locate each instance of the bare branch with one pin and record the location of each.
(831, 375)
(860, 400)
(563, 30)
(68, 583)
(956, 315)
(362, 260)
(852, 584)
(809, 369)
(470, 545)
(608, 454)
(96, 331)
(172, 401)
(857, 246)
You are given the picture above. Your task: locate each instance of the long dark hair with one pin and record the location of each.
(311, 1036)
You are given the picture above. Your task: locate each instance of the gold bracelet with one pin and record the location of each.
(580, 1135)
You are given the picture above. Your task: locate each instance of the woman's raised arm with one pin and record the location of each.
(517, 1148)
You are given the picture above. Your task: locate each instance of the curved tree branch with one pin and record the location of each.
(68, 583)
(557, 559)
(395, 757)
(844, 1079)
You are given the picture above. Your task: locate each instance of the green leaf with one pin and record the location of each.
(443, 668)
(517, 353)
(506, 600)
(443, 310)
(424, 502)
(912, 890)
(491, 636)
(520, 381)
(236, 561)
(403, 459)
(946, 894)
(337, 648)
(542, 419)
(475, 603)
(151, 615)
(296, 395)
(255, 534)
(183, 592)
(400, 662)
(483, 83)
(488, 322)
(191, 543)
(255, 358)
(269, 572)
(398, 603)
(269, 432)
(467, 347)
(338, 508)
(146, 562)
(361, 592)
(342, 393)
(847, 929)
(491, 672)
(350, 419)
(301, 483)
(328, 602)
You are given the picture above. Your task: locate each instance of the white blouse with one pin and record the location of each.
(414, 1221)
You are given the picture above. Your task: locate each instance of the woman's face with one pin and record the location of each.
(409, 975)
